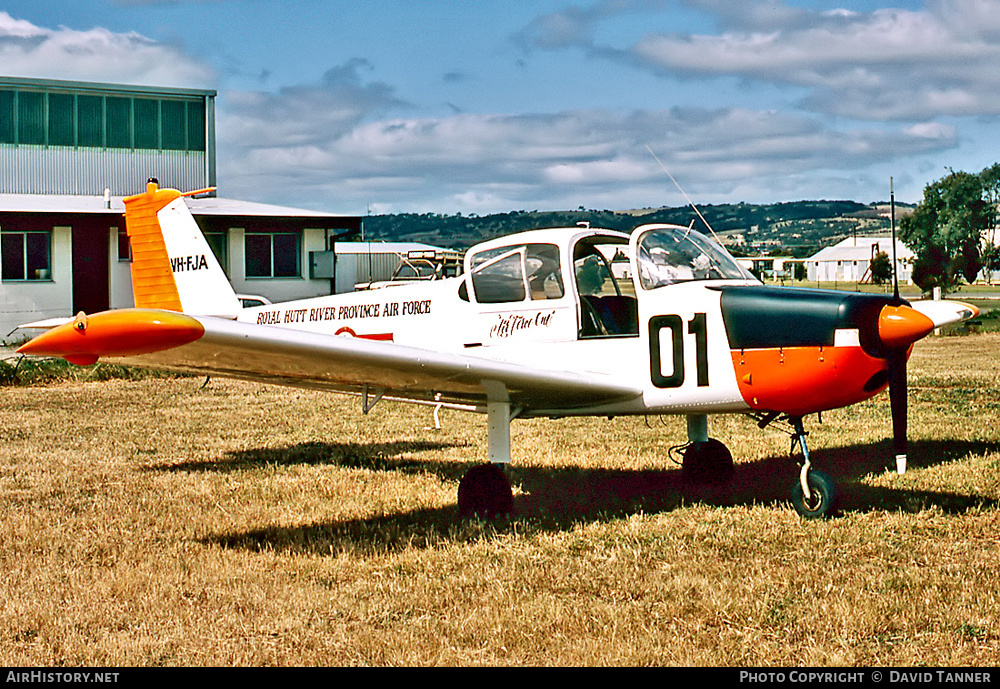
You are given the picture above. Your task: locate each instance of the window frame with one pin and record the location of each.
(527, 254)
(218, 242)
(83, 118)
(26, 269)
(272, 235)
(124, 246)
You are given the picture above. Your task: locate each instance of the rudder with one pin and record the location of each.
(173, 267)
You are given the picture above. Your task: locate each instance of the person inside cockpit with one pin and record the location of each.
(590, 275)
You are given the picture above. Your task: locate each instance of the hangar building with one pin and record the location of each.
(69, 153)
(850, 260)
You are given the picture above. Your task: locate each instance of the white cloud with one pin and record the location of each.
(347, 141)
(27, 50)
(884, 64)
(488, 162)
(303, 115)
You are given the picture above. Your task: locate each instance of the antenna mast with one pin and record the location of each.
(690, 202)
(892, 220)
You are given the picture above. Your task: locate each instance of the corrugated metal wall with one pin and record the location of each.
(374, 266)
(57, 170)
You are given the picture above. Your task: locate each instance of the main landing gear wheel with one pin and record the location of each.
(822, 499)
(485, 492)
(707, 461)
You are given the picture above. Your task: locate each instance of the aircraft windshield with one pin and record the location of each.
(667, 255)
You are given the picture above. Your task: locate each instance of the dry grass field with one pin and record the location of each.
(172, 522)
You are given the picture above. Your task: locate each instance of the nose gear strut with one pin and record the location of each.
(815, 493)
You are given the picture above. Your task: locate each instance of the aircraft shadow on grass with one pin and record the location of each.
(391, 456)
(557, 498)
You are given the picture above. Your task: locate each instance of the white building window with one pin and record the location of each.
(25, 255)
(273, 255)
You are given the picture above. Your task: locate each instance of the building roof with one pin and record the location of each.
(860, 249)
(132, 89)
(65, 203)
(221, 206)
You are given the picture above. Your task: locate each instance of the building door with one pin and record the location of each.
(90, 267)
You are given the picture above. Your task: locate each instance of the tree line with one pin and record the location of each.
(952, 231)
(460, 231)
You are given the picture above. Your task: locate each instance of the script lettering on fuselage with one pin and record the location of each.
(510, 324)
(182, 264)
(344, 312)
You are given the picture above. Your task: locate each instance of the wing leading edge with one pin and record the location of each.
(152, 338)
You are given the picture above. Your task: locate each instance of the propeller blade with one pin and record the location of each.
(897, 403)
(899, 326)
(945, 312)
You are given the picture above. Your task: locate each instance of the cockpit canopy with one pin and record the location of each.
(529, 266)
(668, 254)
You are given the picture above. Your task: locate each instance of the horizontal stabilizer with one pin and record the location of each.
(46, 324)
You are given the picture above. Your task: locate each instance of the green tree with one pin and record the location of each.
(990, 256)
(881, 268)
(990, 178)
(946, 230)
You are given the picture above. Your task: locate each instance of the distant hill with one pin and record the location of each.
(798, 227)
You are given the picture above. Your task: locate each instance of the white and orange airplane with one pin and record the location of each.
(547, 323)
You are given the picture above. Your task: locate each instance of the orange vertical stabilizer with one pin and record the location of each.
(153, 283)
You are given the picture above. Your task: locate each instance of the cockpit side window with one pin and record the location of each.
(499, 279)
(512, 274)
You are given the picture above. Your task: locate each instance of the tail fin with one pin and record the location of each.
(173, 267)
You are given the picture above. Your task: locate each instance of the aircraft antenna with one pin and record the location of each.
(690, 202)
(892, 221)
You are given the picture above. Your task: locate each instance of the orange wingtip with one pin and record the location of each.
(120, 333)
(900, 326)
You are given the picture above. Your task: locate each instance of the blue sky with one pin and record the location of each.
(496, 105)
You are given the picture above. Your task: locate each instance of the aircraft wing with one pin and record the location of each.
(153, 338)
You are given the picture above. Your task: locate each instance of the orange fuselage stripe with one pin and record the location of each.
(805, 380)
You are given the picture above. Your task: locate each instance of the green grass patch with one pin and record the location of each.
(24, 370)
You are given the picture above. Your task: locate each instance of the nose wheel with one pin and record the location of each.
(821, 499)
(815, 494)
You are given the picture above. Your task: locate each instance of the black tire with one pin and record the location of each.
(823, 498)
(485, 492)
(708, 462)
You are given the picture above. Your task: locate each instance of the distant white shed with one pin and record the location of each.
(850, 260)
(770, 267)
